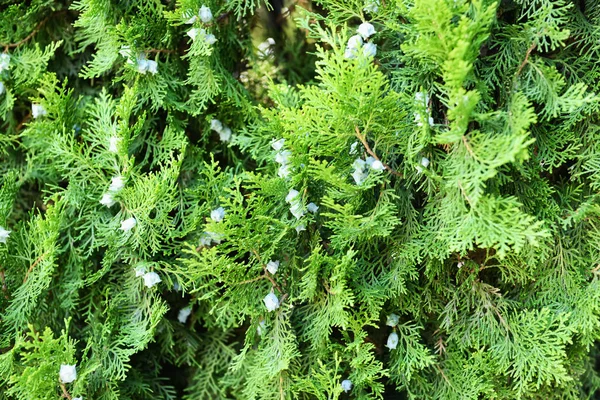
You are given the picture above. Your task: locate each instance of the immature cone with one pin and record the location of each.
(271, 302)
(113, 144)
(67, 373)
(370, 49)
(117, 183)
(377, 166)
(272, 267)
(278, 144)
(107, 200)
(128, 224)
(38, 110)
(346, 385)
(151, 279)
(392, 320)
(4, 61)
(366, 30)
(205, 14)
(4, 234)
(392, 341)
(291, 195)
(372, 7)
(218, 214)
(183, 315)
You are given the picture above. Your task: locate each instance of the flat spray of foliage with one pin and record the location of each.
(198, 212)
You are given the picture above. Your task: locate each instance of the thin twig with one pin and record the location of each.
(465, 194)
(529, 50)
(257, 256)
(327, 289)
(267, 275)
(4, 288)
(23, 122)
(464, 139)
(270, 278)
(439, 345)
(258, 278)
(363, 140)
(167, 51)
(32, 34)
(33, 266)
(65, 394)
(502, 321)
(223, 16)
(287, 13)
(444, 376)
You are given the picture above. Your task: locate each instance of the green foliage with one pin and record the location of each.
(252, 205)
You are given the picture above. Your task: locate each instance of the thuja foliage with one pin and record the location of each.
(211, 199)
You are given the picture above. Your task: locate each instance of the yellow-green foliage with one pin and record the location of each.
(262, 205)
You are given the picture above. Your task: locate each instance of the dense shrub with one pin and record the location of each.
(210, 199)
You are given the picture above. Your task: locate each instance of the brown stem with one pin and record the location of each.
(281, 393)
(23, 122)
(33, 266)
(326, 286)
(258, 278)
(439, 345)
(4, 288)
(363, 140)
(502, 321)
(290, 10)
(270, 278)
(167, 51)
(529, 50)
(65, 394)
(267, 275)
(464, 139)
(223, 16)
(32, 34)
(444, 376)
(465, 194)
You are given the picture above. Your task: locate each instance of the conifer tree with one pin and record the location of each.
(327, 199)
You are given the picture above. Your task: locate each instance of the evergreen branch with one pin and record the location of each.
(487, 289)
